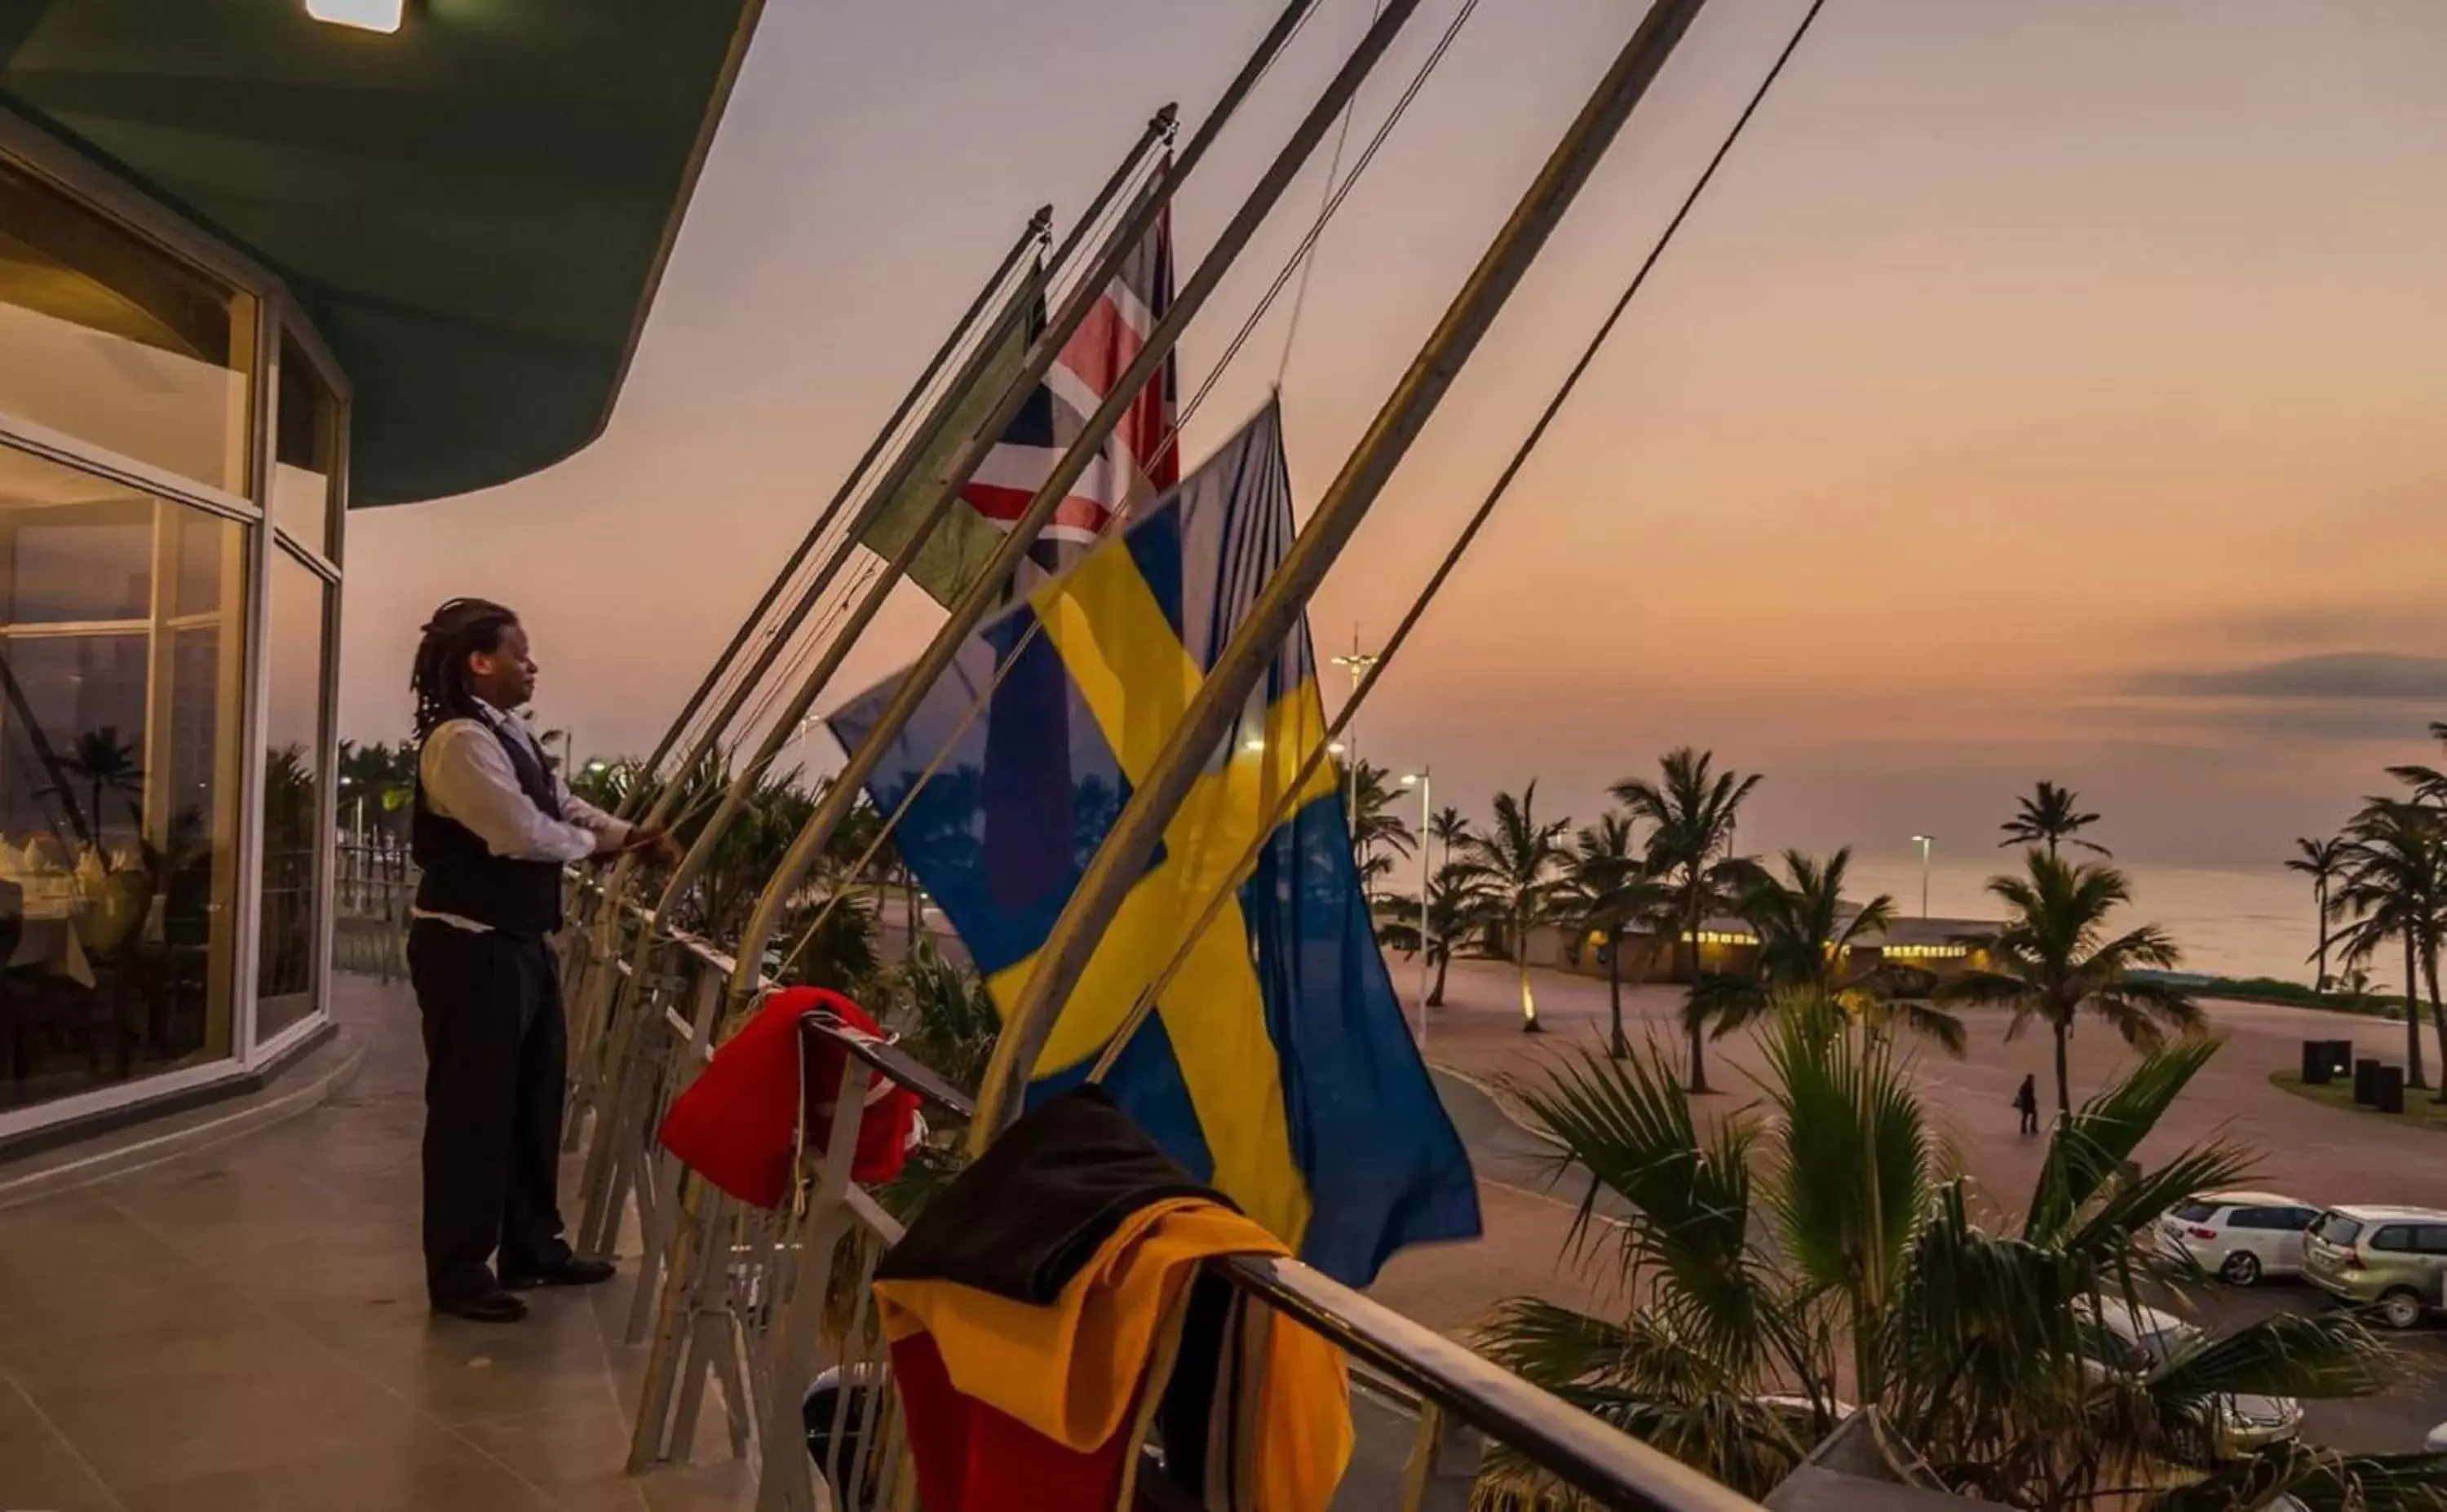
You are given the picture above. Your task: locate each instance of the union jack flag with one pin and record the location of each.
(1138, 462)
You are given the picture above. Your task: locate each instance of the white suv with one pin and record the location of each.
(2240, 1236)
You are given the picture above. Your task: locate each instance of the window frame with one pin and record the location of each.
(278, 318)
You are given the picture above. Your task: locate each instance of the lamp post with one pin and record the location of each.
(1422, 780)
(1923, 841)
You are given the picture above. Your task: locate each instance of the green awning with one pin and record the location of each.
(473, 210)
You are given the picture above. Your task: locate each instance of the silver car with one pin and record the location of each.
(2139, 1339)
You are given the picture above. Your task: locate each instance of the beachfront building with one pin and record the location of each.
(262, 263)
(1943, 947)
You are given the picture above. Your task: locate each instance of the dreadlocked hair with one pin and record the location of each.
(457, 630)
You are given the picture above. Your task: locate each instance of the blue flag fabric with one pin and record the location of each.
(1276, 1064)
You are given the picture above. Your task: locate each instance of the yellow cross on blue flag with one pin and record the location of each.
(1277, 1066)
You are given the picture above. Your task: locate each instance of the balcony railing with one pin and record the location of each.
(773, 1310)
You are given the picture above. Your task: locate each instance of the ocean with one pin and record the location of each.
(2260, 922)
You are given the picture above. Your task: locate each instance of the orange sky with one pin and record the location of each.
(2036, 386)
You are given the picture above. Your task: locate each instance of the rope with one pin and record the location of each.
(1172, 439)
(1333, 170)
(1145, 1002)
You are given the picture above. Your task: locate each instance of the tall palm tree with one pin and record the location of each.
(2056, 961)
(2394, 887)
(1448, 829)
(1515, 864)
(2324, 862)
(1827, 1236)
(1608, 889)
(2049, 815)
(1691, 810)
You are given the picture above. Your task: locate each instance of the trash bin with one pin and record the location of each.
(2341, 1058)
(2365, 1081)
(2315, 1062)
(2389, 1087)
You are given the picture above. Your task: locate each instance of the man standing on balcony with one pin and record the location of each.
(492, 828)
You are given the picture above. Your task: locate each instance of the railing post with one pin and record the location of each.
(1442, 1467)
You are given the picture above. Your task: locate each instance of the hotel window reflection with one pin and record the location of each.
(121, 672)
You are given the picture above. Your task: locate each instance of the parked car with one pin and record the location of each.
(2139, 1339)
(2392, 1259)
(2240, 1236)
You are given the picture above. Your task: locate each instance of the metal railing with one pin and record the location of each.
(372, 883)
(752, 1309)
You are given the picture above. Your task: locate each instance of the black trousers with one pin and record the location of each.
(495, 1066)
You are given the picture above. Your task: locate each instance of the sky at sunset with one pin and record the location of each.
(2043, 389)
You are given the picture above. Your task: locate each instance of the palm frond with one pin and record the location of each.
(2092, 1147)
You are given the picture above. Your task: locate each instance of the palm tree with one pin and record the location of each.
(2056, 961)
(1608, 889)
(1448, 829)
(1514, 865)
(2051, 814)
(2324, 862)
(1807, 930)
(2394, 887)
(1691, 810)
(104, 763)
(1377, 833)
(1459, 905)
(1828, 1236)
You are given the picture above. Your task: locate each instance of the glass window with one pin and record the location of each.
(118, 768)
(2195, 1212)
(304, 445)
(113, 340)
(293, 787)
(2338, 1229)
(2431, 1238)
(2394, 1237)
(2251, 1217)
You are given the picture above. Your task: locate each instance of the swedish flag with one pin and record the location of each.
(1276, 1064)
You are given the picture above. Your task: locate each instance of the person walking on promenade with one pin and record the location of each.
(2026, 1099)
(491, 829)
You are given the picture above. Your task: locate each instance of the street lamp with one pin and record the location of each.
(1421, 780)
(1923, 841)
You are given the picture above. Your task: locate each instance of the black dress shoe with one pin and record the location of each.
(492, 1307)
(571, 1272)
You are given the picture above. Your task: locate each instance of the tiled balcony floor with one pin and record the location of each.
(245, 1328)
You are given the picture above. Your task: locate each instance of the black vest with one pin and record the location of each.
(462, 875)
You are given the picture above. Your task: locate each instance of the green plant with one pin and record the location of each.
(1820, 1238)
(2054, 960)
(2049, 816)
(1692, 809)
(1513, 868)
(1608, 889)
(2394, 887)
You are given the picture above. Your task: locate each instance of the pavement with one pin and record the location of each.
(2323, 1155)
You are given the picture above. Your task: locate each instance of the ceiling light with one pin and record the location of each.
(366, 16)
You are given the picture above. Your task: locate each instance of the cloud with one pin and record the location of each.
(2346, 677)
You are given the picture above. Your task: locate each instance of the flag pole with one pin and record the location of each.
(1035, 235)
(886, 487)
(613, 1051)
(1222, 696)
(984, 593)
